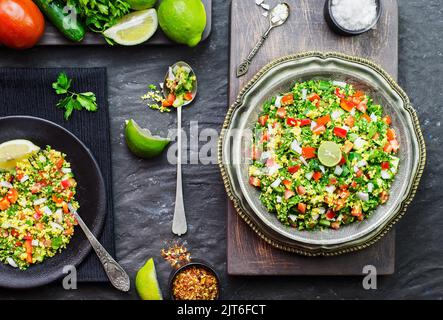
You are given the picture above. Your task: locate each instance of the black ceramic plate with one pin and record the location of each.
(91, 195)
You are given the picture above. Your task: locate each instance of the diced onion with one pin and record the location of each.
(385, 174)
(34, 243)
(293, 217)
(363, 196)
(338, 170)
(362, 163)
(330, 189)
(40, 201)
(58, 215)
(356, 169)
(46, 211)
(5, 184)
(309, 175)
(24, 179)
(313, 125)
(66, 170)
(322, 168)
(336, 114)
(352, 112)
(345, 128)
(303, 160)
(276, 183)
(296, 147)
(273, 169)
(370, 187)
(359, 143)
(11, 262)
(321, 210)
(278, 101)
(304, 94)
(373, 117)
(265, 156)
(56, 226)
(278, 199)
(339, 83)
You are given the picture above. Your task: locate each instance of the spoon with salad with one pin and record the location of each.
(179, 90)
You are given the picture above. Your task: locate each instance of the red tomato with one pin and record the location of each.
(255, 154)
(22, 23)
(390, 133)
(59, 163)
(68, 183)
(188, 96)
(387, 148)
(362, 106)
(287, 99)
(342, 161)
(301, 207)
(305, 122)
(313, 97)
(265, 136)
(253, 181)
(395, 145)
(330, 215)
(349, 121)
(288, 194)
(263, 119)
(293, 169)
(291, 122)
(287, 184)
(319, 129)
(4, 204)
(347, 105)
(308, 152)
(316, 176)
(12, 195)
(340, 132)
(385, 165)
(323, 120)
(339, 94)
(387, 120)
(301, 190)
(169, 100)
(281, 112)
(366, 117)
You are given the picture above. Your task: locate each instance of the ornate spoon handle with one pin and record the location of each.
(244, 66)
(118, 277)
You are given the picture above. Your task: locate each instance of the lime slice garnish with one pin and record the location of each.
(146, 282)
(15, 150)
(142, 143)
(134, 28)
(329, 153)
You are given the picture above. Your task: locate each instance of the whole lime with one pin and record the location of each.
(141, 4)
(183, 21)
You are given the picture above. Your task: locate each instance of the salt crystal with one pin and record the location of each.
(259, 2)
(265, 14)
(354, 15)
(265, 6)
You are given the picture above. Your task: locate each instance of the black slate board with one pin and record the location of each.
(28, 91)
(53, 37)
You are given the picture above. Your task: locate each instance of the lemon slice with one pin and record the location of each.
(142, 143)
(329, 153)
(15, 150)
(134, 28)
(146, 282)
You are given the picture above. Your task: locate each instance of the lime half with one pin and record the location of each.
(142, 143)
(15, 150)
(146, 282)
(134, 28)
(329, 153)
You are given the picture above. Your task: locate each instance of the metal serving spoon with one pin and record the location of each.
(116, 274)
(278, 15)
(179, 225)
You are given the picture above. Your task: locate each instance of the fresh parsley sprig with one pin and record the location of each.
(72, 100)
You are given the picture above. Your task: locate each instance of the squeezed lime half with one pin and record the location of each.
(15, 150)
(329, 153)
(146, 282)
(142, 143)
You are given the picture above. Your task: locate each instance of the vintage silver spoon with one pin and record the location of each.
(278, 15)
(179, 225)
(116, 274)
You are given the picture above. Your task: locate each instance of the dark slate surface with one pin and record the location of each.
(144, 190)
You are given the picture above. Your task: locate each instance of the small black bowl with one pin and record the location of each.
(345, 32)
(194, 263)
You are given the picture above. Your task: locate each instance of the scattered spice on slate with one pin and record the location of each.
(176, 254)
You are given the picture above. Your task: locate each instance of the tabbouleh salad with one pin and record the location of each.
(35, 221)
(309, 192)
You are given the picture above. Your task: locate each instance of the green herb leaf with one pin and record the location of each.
(62, 84)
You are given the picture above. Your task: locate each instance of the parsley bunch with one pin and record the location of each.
(73, 101)
(100, 14)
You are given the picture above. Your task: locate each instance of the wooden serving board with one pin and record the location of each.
(53, 37)
(305, 30)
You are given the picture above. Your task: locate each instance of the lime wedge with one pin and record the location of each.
(329, 153)
(146, 282)
(142, 143)
(15, 150)
(134, 28)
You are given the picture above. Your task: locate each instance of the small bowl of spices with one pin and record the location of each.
(352, 17)
(196, 280)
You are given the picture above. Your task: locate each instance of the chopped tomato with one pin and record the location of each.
(57, 200)
(28, 247)
(281, 112)
(347, 147)
(356, 211)
(339, 204)
(59, 163)
(388, 147)
(384, 196)
(387, 120)
(255, 153)
(65, 207)
(270, 162)
(253, 181)
(301, 207)
(188, 96)
(366, 117)
(335, 225)
(339, 94)
(287, 99)
(313, 97)
(308, 152)
(333, 180)
(323, 120)
(385, 165)
(291, 122)
(288, 194)
(287, 183)
(340, 132)
(263, 119)
(319, 129)
(395, 145)
(343, 160)
(362, 106)
(344, 194)
(349, 121)
(14, 233)
(347, 105)
(330, 215)
(358, 94)
(36, 188)
(67, 183)
(301, 190)
(359, 173)
(294, 169)
(353, 184)
(12, 195)
(4, 204)
(305, 122)
(316, 176)
(390, 134)
(170, 99)
(265, 137)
